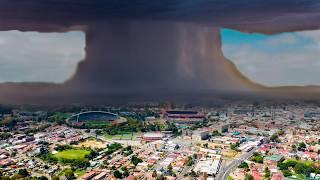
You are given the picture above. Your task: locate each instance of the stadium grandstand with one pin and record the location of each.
(184, 117)
(95, 118)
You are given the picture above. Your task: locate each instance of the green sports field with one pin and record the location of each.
(72, 154)
(122, 136)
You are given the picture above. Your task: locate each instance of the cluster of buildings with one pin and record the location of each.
(60, 134)
(20, 148)
(282, 134)
(210, 140)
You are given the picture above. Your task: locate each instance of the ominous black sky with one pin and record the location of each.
(152, 49)
(219, 12)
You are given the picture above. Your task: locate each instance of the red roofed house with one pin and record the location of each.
(276, 176)
(257, 175)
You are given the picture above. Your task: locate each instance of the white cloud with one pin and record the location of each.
(283, 39)
(39, 57)
(285, 61)
(314, 35)
(2, 41)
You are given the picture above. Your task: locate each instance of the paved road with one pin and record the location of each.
(225, 171)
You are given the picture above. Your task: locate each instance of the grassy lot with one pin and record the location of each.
(300, 176)
(79, 172)
(76, 154)
(97, 123)
(308, 163)
(124, 132)
(127, 136)
(107, 136)
(122, 135)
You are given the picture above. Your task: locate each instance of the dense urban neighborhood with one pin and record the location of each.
(161, 141)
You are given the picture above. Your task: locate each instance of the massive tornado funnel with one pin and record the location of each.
(155, 57)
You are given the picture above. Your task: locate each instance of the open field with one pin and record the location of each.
(72, 154)
(229, 153)
(92, 143)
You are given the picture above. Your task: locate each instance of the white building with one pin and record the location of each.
(209, 166)
(200, 135)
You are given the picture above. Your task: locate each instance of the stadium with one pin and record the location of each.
(95, 119)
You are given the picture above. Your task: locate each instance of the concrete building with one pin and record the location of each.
(200, 135)
(208, 166)
(148, 137)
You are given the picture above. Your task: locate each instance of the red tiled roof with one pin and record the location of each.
(276, 176)
(257, 175)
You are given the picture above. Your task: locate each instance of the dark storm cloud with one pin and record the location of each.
(206, 11)
(150, 49)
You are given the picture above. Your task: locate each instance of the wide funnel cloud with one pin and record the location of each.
(152, 50)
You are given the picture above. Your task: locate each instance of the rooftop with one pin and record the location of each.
(275, 157)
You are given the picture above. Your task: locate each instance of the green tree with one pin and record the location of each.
(299, 168)
(267, 173)
(281, 132)
(135, 160)
(193, 174)
(98, 132)
(294, 148)
(154, 174)
(23, 173)
(257, 159)
(5, 136)
(248, 177)
(291, 163)
(243, 165)
(235, 146)
(125, 172)
(42, 178)
(195, 156)
(286, 173)
(170, 169)
(301, 146)
(117, 174)
(161, 177)
(216, 133)
(190, 161)
(283, 166)
(5, 178)
(69, 174)
(55, 178)
(275, 138)
(9, 123)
